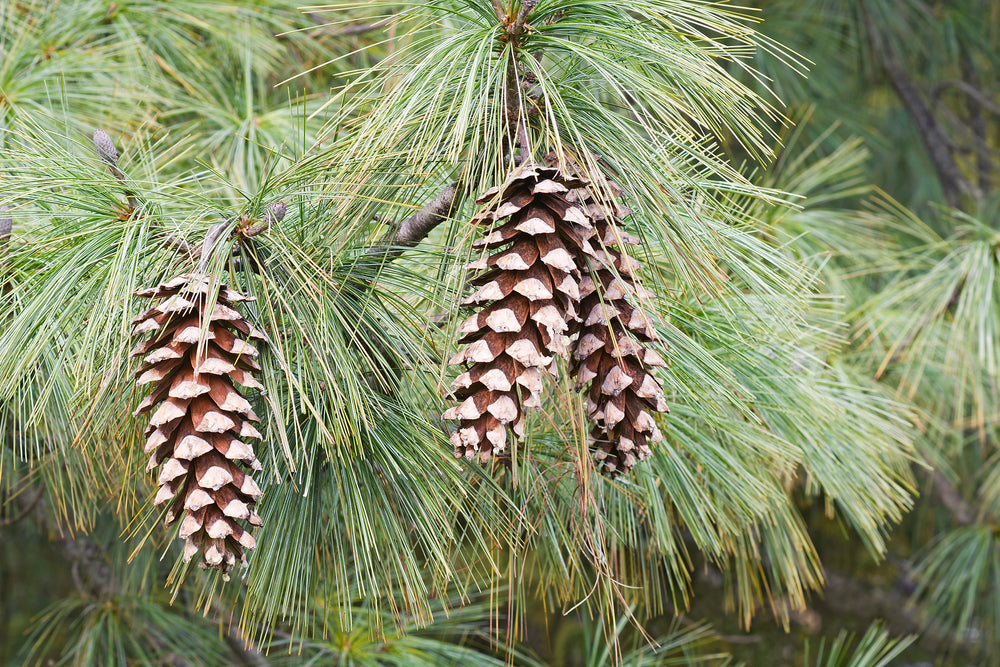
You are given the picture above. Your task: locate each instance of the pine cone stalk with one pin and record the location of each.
(196, 435)
(611, 356)
(527, 293)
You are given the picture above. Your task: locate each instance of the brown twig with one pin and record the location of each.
(520, 26)
(953, 183)
(274, 214)
(499, 9)
(414, 229)
(961, 512)
(516, 128)
(359, 28)
(6, 226)
(25, 508)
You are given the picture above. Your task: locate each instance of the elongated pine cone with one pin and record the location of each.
(612, 352)
(528, 291)
(197, 433)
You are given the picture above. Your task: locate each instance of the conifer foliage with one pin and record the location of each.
(196, 435)
(379, 123)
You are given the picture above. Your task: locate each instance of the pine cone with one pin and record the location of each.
(105, 147)
(528, 290)
(196, 435)
(611, 352)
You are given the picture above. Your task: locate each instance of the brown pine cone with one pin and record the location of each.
(612, 352)
(528, 291)
(197, 434)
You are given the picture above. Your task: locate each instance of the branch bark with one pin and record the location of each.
(360, 28)
(414, 229)
(975, 106)
(499, 9)
(953, 183)
(25, 509)
(971, 91)
(961, 512)
(518, 28)
(6, 225)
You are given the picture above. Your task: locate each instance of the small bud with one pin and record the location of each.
(105, 147)
(6, 222)
(6, 225)
(275, 212)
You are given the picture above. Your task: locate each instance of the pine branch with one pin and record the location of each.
(106, 151)
(961, 512)
(518, 128)
(519, 26)
(89, 566)
(414, 229)
(971, 91)
(975, 105)
(274, 214)
(360, 28)
(6, 226)
(499, 9)
(25, 509)
(953, 183)
(406, 234)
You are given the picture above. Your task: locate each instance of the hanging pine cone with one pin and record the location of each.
(528, 290)
(611, 353)
(197, 434)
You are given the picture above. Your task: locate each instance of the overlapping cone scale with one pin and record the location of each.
(527, 287)
(612, 357)
(200, 424)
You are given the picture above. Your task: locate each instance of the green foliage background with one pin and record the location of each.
(823, 257)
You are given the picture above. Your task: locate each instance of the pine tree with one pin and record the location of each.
(800, 326)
